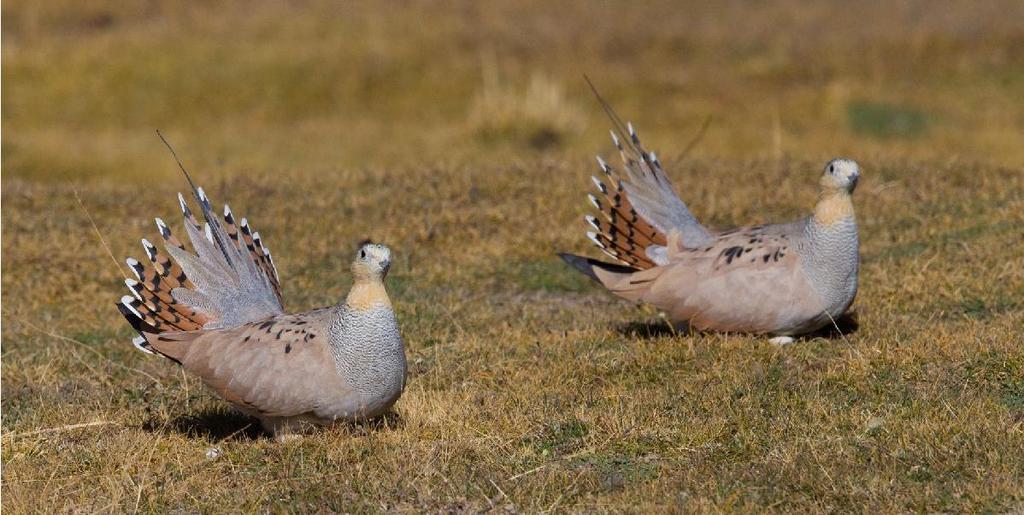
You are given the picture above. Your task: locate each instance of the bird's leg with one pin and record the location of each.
(285, 437)
(283, 429)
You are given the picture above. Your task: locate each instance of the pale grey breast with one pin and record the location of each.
(369, 355)
(830, 260)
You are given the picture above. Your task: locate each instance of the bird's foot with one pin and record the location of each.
(285, 437)
(284, 429)
(781, 340)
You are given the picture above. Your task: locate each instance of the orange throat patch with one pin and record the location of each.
(833, 207)
(367, 294)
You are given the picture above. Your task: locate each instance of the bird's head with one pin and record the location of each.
(840, 175)
(372, 261)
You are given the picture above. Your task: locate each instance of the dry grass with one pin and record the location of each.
(537, 116)
(529, 388)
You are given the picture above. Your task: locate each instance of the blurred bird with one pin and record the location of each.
(217, 312)
(781, 279)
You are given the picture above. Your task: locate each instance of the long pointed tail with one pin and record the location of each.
(227, 279)
(625, 281)
(640, 206)
(178, 290)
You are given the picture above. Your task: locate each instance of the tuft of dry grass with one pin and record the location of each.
(537, 116)
(530, 389)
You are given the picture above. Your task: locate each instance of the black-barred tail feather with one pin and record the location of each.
(243, 238)
(638, 208)
(224, 281)
(646, 185)
(620, 231)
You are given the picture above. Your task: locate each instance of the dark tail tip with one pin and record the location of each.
(586, 265)
(579, 263)
(136, 323)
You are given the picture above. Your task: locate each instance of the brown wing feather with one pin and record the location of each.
(622, 248)
(620, 210)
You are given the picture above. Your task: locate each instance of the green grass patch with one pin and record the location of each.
(559, 437)
(546, 274)
(880, 120)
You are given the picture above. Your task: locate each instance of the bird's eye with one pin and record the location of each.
(362, 254)
(831, 169)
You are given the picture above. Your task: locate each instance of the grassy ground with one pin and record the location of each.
(462, 136)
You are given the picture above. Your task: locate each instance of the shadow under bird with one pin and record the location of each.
(780, 279)
(218, 313)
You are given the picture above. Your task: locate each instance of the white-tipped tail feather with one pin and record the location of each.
(133, 286)
(127, 301)
(224, 281)
(162, 227)
(140, 343)
(134, 266)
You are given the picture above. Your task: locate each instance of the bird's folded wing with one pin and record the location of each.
(746, 280)
(281, 366)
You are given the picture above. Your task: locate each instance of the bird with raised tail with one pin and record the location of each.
(217, 311)
(781, 279)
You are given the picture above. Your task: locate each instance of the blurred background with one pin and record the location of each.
(314, 86)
